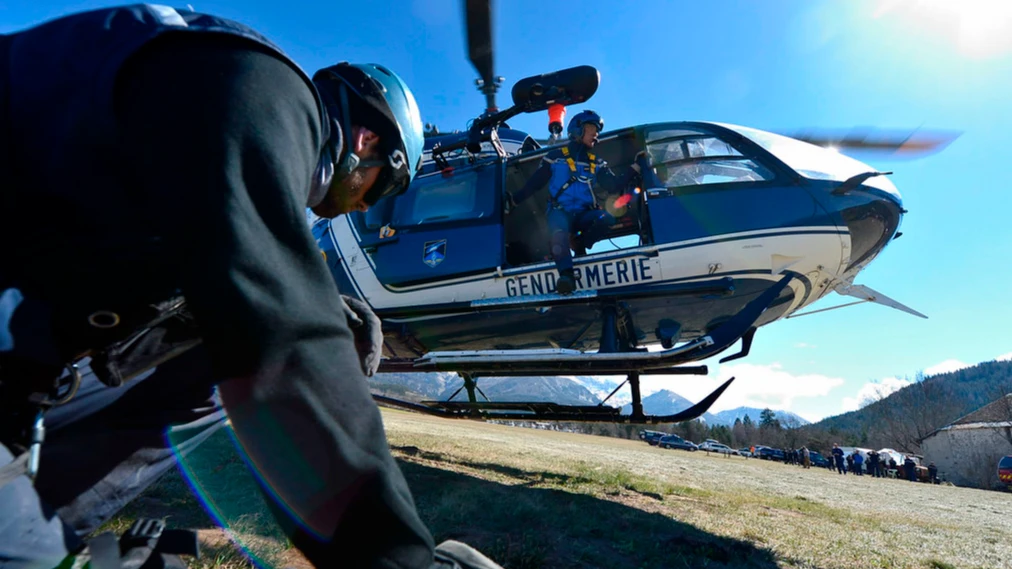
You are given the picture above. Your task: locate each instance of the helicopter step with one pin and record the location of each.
(618, 359)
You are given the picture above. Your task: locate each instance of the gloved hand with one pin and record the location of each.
(368, 333)
(641, 162)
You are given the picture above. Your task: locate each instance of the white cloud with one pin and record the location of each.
(945, 367)
(872, 391)
(1004, 357)
(754, 386)
(804, 345)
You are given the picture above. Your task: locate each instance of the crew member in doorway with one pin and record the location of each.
(573, 172)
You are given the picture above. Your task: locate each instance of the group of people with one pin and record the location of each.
(158, 272)
(877, 466)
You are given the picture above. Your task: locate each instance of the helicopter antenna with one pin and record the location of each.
(479, 49)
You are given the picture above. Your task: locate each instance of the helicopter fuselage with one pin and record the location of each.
(736, 209)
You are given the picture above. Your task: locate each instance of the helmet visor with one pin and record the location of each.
(390, 181)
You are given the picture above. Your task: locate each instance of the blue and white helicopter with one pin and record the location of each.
(744, 228)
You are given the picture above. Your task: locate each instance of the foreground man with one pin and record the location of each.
(149, 156)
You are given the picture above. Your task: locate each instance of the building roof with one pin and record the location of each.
(997, 411)
(996, 414)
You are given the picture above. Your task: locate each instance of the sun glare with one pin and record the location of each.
(978, 29)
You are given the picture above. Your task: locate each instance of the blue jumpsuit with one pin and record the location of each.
(572, 174)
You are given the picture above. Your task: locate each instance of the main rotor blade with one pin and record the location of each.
(896, 144)
(479, 37)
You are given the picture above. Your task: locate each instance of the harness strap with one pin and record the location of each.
(13, 470)
(572, 169)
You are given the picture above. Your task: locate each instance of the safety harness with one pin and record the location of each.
(572, 171)
(168, 331)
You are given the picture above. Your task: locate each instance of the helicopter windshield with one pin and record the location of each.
(813, 161)
(685, 157)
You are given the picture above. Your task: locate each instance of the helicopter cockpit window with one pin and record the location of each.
(690, 158)
(440, 199)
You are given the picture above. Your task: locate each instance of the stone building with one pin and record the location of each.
(967, 451)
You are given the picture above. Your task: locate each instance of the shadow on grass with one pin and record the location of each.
(520, 525)
(525, 528)
(212, 488)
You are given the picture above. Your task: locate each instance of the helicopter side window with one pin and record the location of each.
(687, 158)
(713, 172)
(441, 199)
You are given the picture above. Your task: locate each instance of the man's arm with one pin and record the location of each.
(222, 143)
(535, 182)
(615, 184)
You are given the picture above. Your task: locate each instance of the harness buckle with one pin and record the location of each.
(35, 449)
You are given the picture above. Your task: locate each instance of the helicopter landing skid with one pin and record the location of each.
(542, 411)
(471, 364)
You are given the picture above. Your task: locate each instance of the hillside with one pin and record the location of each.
(913, 412)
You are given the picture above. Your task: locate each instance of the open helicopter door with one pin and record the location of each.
(445, 226)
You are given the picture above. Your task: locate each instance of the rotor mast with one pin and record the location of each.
(478, 14)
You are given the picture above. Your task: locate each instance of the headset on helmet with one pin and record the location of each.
(575, 128)
(383, 103)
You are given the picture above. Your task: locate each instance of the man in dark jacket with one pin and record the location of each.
(910, 469)
(838, 457)
(873, 468)
(156, 166)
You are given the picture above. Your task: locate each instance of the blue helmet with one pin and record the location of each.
(383, 103)
(581, 118)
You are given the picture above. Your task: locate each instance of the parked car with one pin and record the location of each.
(713, 446)
(768, 453)
(817, 459)
(651, 436)
(745, 452)
(675, 441)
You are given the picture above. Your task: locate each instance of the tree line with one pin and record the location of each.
(899, 420)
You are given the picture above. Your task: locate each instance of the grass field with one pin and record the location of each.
(531, 498)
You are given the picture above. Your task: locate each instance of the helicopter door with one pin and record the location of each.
(712, 188)
(444, 227)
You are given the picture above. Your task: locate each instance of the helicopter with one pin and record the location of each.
(735, 228)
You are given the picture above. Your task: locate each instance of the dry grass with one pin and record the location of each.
(533, 499)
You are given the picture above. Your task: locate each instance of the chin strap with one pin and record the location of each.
(332, 167)
(350, 161)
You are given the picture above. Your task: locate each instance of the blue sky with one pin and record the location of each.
(777, 65)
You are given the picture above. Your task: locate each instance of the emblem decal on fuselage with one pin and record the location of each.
(434, 252)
